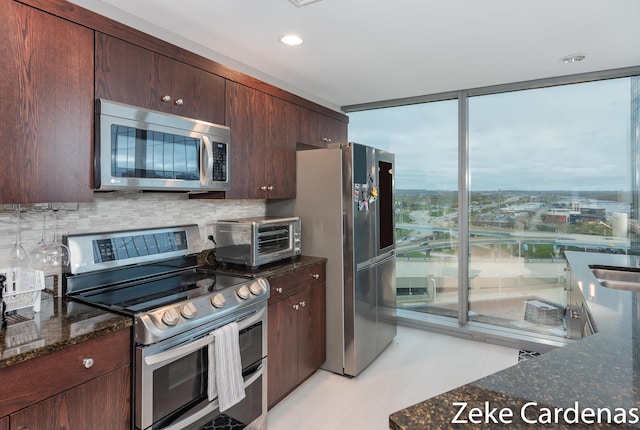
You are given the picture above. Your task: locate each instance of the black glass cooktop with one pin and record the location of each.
(144, 295)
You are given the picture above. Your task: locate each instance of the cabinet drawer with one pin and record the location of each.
(35, 380)
(286, 285)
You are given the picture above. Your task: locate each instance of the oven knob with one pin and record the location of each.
(243, 292)
(170, 317)
(218, 301)
(188, 311)
(258, 287)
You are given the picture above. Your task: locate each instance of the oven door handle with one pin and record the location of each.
(255, 375)
(173, 354)
(250, 320)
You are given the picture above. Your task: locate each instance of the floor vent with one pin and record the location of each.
(526, 355)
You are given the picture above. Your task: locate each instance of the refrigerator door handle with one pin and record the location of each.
(375, 261)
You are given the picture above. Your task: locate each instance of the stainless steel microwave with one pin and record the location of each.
(141, 149)
(253, 242)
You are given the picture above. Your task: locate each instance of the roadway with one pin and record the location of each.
(484, 236)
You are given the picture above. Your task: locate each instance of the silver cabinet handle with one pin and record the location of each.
(326, 139)
(279, 290)
(270, 187)
(263, 188)
(179, 102)
(88, 363)
(303, 304)
(316, 276)
(166, 98)
(296, 307)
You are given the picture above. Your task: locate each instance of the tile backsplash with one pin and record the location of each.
(120, 211)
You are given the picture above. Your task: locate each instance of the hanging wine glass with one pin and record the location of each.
(38, 253)
(56, 253)
(18, 256)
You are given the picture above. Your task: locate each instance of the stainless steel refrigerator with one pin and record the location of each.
(345, 201)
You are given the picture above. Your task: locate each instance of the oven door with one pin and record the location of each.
(172, 378)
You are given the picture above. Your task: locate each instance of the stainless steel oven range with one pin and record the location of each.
(179, 309)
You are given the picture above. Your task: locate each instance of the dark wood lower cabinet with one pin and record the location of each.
(4, 423)
(311, 331)
(66, 390)
(100, 404)
(297, 329)
(282, 350)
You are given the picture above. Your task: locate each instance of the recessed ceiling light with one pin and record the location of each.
(573, 58)
(291, 40)
(300, 3)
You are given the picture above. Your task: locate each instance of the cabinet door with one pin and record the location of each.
(263, 129)
(4, 423)
(318, 130)
(280, 149)
(331, 130)
(129, 74)
(201, 93)
(282, 346)
(100, 404)
(245, 115)
(307, 125)
(46, 64)
(311, 330)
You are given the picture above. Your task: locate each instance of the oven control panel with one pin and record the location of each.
(173, 319)
(90, 252)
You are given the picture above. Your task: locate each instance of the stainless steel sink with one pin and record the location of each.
(618, 278)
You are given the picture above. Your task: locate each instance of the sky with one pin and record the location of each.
(571, 137)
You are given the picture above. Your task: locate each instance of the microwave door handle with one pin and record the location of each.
(175, 353)
(206, 149)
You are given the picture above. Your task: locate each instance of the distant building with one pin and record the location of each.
(567, 215)
(557, 217)
(592, 215)
(571, 206)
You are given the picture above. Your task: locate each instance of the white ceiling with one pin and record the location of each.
(360, 51)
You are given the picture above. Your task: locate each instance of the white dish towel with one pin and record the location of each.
(225, 367)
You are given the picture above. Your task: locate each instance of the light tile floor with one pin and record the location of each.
(416, 366)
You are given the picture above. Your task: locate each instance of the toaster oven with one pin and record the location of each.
(252, 242)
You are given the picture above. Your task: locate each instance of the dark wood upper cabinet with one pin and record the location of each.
(46, 64)
(263, 144)
(133, 75)
(319, 130)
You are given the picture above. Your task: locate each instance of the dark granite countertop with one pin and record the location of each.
(60, 323)
(599, 371)
(270, 270)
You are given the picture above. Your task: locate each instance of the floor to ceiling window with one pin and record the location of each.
(548, 173)
(424, 139)
(549, 169)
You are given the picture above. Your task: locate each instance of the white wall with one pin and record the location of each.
(118, 211)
